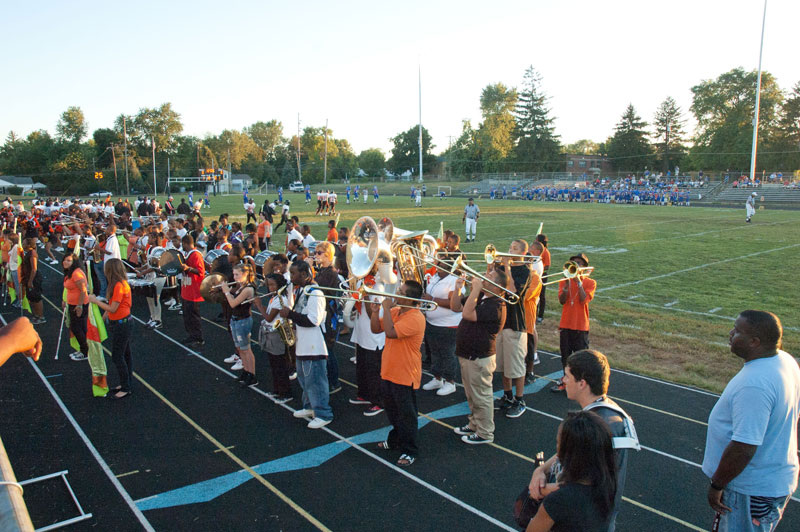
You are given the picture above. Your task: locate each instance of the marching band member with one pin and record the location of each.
(308, 314)
(441, 330)
(13, 267)
(574, 295)
(77, 302)
(369, 349)
(30, 279)
(483, 314)
(327, 276)
(274, 344)
(194, 270)
(264, 232)
(241, 320)
(401, 367)
(118, 312)
(512, 344)
(542, 238)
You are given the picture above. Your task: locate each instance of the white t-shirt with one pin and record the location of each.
(250, 207)
(440, 288)
(181, 232)
(12, 258)
(362, 332)
(112, 245)
(308, 241)
(275, 304)
(294, 234)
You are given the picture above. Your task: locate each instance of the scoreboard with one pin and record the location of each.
(211, 174)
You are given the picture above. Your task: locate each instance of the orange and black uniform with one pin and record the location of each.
(120, 324)
(574, 325)
(546, 266)
(77, 296)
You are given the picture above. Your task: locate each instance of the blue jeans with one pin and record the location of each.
(313, 378)
(748, 513)
(101, 276)
(15, 278)
(442, 342)
(240, 330)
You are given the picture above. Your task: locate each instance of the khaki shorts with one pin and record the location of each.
(511, 349)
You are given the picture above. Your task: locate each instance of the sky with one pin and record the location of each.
(226, 65)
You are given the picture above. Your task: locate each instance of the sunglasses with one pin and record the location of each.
(319, 253)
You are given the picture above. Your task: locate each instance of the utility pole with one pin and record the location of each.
(325, 166)
(114, 158)
(125, 137)
(449, 156)
(155, 189)
(229, 171)
(299, 173)
(666, 146)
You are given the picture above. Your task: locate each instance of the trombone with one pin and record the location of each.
(491, 255)
(458, 264)
(361, 293)
(571, 271)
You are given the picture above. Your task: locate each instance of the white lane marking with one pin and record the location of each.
(698, 267)
(103, 465)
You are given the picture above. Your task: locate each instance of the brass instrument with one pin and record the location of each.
(571, 270)
(491, 255)
(285, 327)
(459, 265)
(425, 305)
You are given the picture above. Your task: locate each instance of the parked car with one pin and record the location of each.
(100, 194)
(297, 186)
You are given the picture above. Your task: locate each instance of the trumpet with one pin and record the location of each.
(458, 264)
(424, 304)
(571, 270)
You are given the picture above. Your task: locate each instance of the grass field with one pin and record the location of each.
(670, 279)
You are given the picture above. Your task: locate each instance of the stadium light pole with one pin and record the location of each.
(758, 100)
(419, 76)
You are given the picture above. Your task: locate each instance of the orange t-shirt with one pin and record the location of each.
(74, 292)
(122, 293)
(333, 236)
(546, 258)
(401, 361)
(531, 301)
(574, 314)
(6, 248)
(264, 229)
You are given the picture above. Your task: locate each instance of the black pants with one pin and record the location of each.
(368, 374)
(191, 319)
(279, 364)
(400, 403)
(78, 327)
(571, 341)
(121, 332)
(251, 215)
(332, 362)
(540, 310)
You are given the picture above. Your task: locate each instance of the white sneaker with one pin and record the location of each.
(170, 302)
(303, 413)
(232, 359)
(446, 389)
(536, 360)
(433, 384)
(59, 249)
(318, 423)
(293, 376)
(237, 366)
(353, 359)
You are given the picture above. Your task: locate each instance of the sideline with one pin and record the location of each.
(103, 465)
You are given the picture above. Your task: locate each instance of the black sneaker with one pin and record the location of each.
(464, 431)
(474, 439)
(516, 409)
(502, 403)
(529, 378)
(155, 325)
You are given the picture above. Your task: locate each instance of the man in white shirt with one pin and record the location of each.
(308, 239)
(291, 231)
(750, 206)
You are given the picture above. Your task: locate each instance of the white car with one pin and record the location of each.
(100, 194)
(297, 186)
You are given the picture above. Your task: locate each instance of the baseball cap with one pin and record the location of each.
(754, 194)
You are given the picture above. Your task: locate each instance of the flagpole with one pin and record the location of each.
(419, 76)
(758, 100)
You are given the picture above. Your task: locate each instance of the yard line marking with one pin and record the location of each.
(103, 465)
(637, 296)
(53, 376)
(693, 268)
(228, 447)
(625, 326)
(671, 303)
(128, 473)
(715, 309)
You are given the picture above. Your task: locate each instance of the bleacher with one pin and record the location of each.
(768, 195)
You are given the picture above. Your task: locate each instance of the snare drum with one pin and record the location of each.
(170, 263)
(143, 287)
(262, 259)
(213, 259)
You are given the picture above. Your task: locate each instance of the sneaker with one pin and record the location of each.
(334, 389)
(374, 410)
(539, 320)
(558, 387)
(474, 439)
(529, 378)
(293, 376)
(536, 360)
(502, 403)
(176, 307)
(446, 389)
(303, 413)
(77, 356)
(232, 359)
(358, 401)
(39, 320)
(464, 431)
(170, 302)
(283, 400)
(253, 381)
(318, 423)
(433, 384)
(149, 323)
(237, 366)
(59, 249)
(156, 324)
(353, 359)
(516, 409)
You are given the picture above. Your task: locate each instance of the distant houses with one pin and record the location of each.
(8, 182)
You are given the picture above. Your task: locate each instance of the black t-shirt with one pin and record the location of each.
(572, 510)
(477, 338)
(515, 318)
(141, 210)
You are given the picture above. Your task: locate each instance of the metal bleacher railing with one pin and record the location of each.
(13, 512)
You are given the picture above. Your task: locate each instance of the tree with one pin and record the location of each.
(787, 138)
(629, 148)
(724, 109)
(104, 138)
(495, 137)
(537, 145)
(266, 135)
(584, 147)
(160, 124)
(668, 135)
(372, 162)
(463, 156)
(239, 146)
(72, 127)
(405, 153)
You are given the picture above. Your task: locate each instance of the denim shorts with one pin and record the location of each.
(240, 330)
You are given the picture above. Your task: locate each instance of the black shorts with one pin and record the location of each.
(34, 293)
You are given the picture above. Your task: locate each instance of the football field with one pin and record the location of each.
(671, 280)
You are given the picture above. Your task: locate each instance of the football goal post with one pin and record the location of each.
(444, 191)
